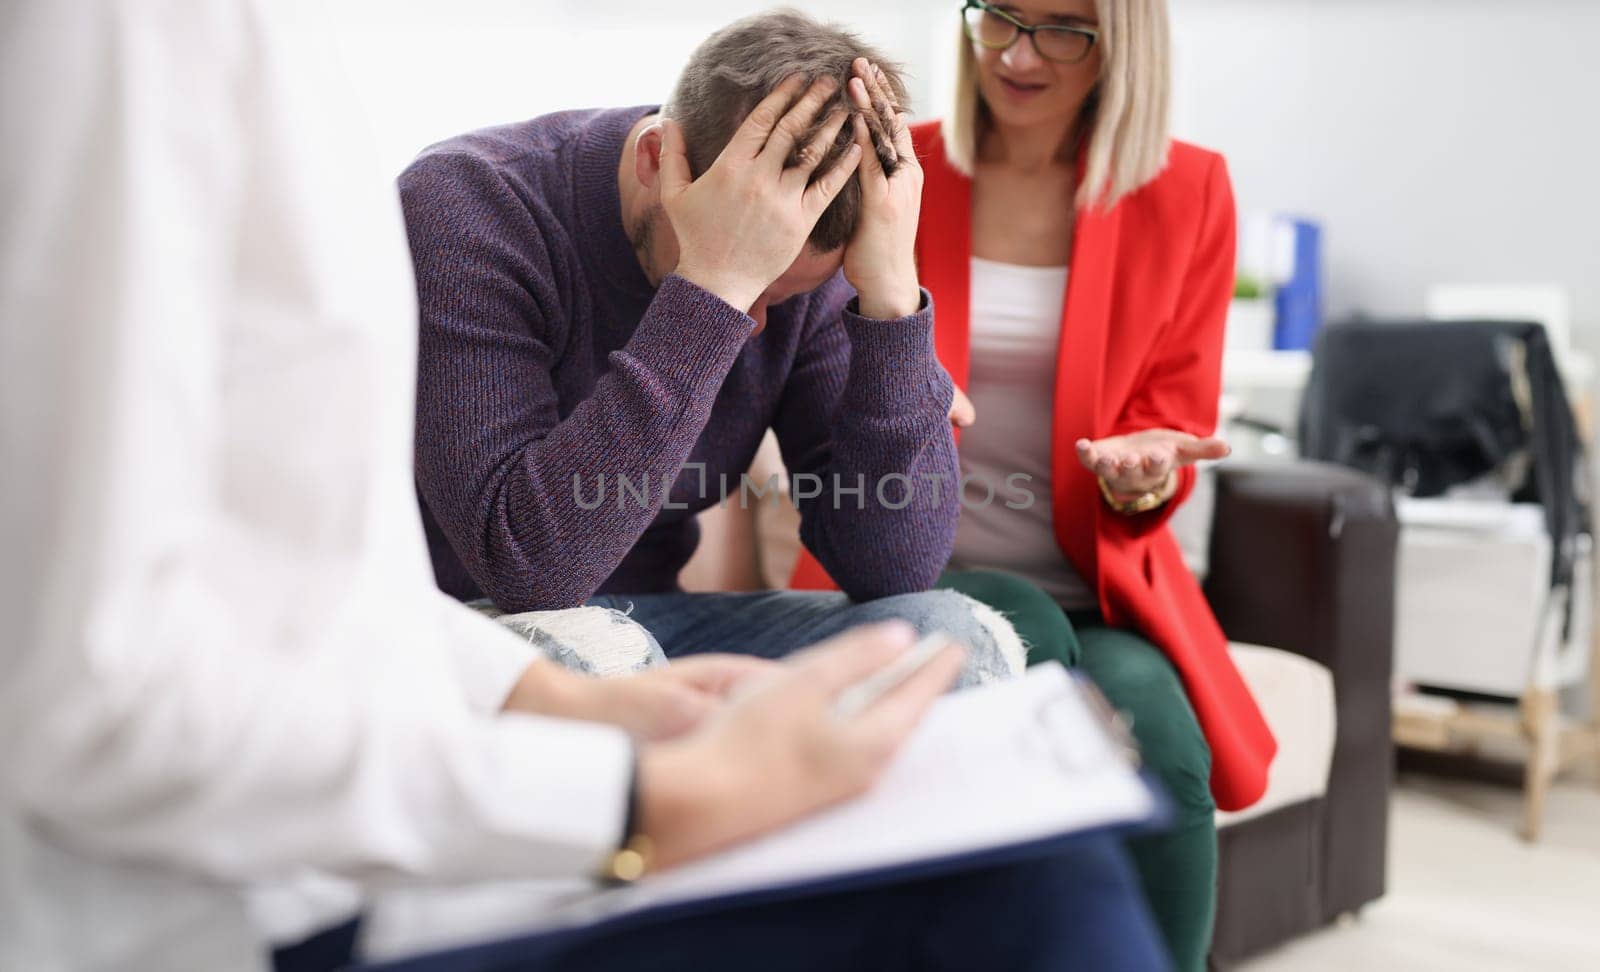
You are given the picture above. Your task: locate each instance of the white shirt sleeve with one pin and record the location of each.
(487, 662)
(222, 646)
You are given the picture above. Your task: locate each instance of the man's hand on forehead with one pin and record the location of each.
(882, 115)
(745, 220)
(880, 258)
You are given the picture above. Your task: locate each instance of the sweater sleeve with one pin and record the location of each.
(1182, 383)
(864, 426)
(514, 485)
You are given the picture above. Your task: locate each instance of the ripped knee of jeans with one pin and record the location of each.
(994, 650)
(1009, 649)
(594, 640)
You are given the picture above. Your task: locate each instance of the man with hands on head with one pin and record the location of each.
(617, 304)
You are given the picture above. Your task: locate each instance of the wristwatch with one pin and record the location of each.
(630, 862)
(634, 854)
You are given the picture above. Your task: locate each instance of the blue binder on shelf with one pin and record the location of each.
(1299, 299)
(994, 775)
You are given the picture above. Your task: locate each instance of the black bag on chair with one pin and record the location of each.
(1429, 405)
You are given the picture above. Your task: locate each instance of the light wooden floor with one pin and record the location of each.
(1466, 894)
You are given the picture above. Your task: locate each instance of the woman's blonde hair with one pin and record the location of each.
(1124, 118)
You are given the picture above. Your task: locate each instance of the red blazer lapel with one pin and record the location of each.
(1080, 360)
(945, 266)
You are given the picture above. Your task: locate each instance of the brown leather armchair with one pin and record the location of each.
(1302, 558)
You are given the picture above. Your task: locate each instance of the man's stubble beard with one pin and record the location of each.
(642, 235)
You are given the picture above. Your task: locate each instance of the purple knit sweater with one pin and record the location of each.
(548, 365)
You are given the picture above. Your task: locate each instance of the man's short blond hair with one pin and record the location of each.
(1125, 118)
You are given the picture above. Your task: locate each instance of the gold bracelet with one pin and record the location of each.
(1143, 503)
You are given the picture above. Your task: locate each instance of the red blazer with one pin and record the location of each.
(1141, 348)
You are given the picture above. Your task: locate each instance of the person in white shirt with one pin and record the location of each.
(224, 664)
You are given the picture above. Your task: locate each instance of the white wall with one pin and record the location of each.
(429, 69)
(1437, 140)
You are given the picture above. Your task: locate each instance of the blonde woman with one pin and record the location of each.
(1081, 265)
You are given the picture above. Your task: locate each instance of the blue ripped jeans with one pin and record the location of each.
(771, 624)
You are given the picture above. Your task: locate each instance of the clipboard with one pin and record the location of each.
(1047, 737)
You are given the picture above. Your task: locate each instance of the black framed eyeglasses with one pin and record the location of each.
(997, 30)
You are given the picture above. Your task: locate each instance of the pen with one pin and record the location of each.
(859, 697)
